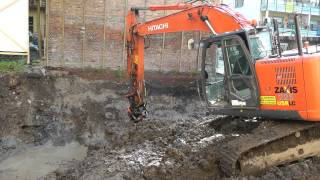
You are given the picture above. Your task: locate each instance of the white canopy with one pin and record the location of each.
(14, 35)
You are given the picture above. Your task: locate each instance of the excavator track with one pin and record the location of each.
(270, 145)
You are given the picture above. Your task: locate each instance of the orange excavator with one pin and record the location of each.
(243, 74)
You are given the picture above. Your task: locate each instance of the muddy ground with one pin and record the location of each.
(72, 124)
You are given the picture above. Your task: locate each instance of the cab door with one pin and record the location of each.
(214, 76)
(241, 80)
(228, 74)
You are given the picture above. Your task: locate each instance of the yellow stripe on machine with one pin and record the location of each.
(268, 100)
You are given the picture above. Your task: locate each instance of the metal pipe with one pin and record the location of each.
(277, 33)
(210, 27)
(298, 34)
(267, 9)
(181, 50)
(139, 8)
(206, 20)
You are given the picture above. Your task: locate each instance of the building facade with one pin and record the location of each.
(33, 16)
(284, 11)
(33, 26)
(37, 28)
(249, 8)
(83, 33)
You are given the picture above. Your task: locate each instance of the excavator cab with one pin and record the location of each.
(228, 73)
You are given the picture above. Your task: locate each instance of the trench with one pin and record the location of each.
(72, 124)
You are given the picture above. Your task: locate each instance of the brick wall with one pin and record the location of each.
(91, 33)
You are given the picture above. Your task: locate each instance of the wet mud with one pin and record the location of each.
(72, 124)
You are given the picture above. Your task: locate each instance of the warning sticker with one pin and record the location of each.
(283, 103)
(136, 59)
(268, 100)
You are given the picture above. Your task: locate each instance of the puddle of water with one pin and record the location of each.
(39, 161)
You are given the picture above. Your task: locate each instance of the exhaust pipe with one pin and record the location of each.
(298, 34)
(277, 38)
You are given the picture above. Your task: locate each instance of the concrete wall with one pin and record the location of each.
(91, 33)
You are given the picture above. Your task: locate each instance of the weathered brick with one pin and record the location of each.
(92, 34)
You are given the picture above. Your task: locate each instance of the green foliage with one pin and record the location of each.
(195, 73)
(99, 70)
(11, 66)
(119, 73)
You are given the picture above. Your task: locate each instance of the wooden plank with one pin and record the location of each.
(163, 41)
(124, 55)
(84, 32)
(63, 35)
(181, 50)
(104, 51)
(15, 53)
(47, 32)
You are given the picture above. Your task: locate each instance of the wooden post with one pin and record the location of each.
(144, 12)
(124, 54)
(39, 28)
(63, 35)
(104, 50)
(47, 33)
(163, 42)
(28, 59)
(198, 53)
(28, 50)
(84, 32)
(181, 50)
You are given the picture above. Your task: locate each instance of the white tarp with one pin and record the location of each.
(14, 35)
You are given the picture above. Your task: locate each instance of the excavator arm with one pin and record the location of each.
(205, 18)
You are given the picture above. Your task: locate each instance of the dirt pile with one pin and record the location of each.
(86, 110)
